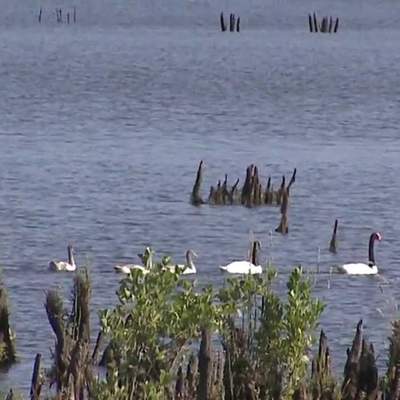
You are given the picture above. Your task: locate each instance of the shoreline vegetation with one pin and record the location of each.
(166, 338)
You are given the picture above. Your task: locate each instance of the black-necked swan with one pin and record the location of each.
(147, 264)
(361, 268)
(68, 266)
(187, 268)
(245, 267)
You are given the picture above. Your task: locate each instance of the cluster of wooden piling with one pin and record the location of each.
(70, 16)
(325, 26)
(234, 23)
(251, 194)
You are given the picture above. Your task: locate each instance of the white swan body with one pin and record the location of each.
(186, 269)
(147, 260)
(68, 266)
(241, 267)
(361, 268)
(126, 269)
(245, 267)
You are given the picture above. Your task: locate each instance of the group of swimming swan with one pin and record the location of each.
(235, 267)
(187, 268)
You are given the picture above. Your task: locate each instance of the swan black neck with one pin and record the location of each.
(254, 252)
(70, 256)
(371, 256)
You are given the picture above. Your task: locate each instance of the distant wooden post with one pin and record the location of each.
(310, 23)
(330, 24)
(238, 25)
(195, 197)
(325, 24)
(222, 22)
(336, 25)
(232, 23)
(332, 245)
(59, 15)
(40, 16)
(315, 23)
(74, 15)
(67, 18)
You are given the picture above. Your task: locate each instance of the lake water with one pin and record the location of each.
(103, 124)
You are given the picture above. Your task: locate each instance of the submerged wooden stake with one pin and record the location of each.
(332, 245)
(336, 25)
(310, 23)
(195, 196)
(36, 385)
(315, 23)
(232, 23)
(222, 22)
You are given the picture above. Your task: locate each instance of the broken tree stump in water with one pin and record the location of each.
(222, 22)
(232, 23)
(332, 245)
(195, 198)
(36, 384)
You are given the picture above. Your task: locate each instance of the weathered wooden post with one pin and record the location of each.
(68, 18)
(322, 25)
(330, 24)
(292, 180)
(238, 25)
(40, 16)
(222, 22)
(284, 225)
(205, 366)
(332, 245)
(336, 25)
(74, 15)
(36, 384)
(232, 23)
(315, 23)
(310, 24)
(195, 197)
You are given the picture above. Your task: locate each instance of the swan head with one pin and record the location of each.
(192, 253)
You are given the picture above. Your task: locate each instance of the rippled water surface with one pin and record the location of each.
(103, 124)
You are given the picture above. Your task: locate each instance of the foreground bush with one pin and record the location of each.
(168, 339)
(156, 328)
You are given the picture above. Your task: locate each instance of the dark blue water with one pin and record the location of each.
(103, 124)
